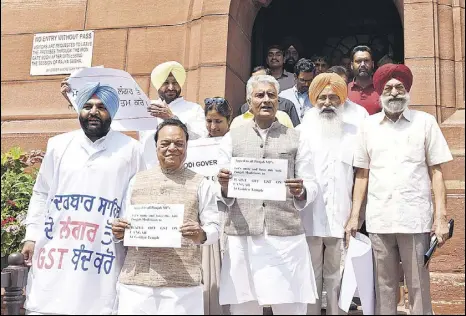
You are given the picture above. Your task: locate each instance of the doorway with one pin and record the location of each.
(330, 28)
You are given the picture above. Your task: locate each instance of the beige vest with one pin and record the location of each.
(165, 267)
(248, 217)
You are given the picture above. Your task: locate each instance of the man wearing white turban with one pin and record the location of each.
(168, 78)
(78, 192)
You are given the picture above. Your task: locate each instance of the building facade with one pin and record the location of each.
(212, 39)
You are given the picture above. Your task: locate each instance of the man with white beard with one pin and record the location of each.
(399, 154)
(331, 137)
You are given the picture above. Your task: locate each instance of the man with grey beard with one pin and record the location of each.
(399, 155)
(332, 139)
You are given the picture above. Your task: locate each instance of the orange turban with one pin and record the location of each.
(392, 71)
(328, 79)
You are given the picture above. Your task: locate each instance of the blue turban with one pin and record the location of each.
(105, 93)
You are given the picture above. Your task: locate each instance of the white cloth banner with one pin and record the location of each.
(358, 276)
(132, 114)
(202, 156)
(155, 225)
(258, 179)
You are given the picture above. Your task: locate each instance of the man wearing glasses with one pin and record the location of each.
(298, 94)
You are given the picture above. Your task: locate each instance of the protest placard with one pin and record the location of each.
(155, 225)
(202, 156)
(132, 114)
(61, 53)
(258, 179)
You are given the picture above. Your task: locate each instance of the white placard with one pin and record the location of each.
(132, 114)
(61, 53)
(358, 276)
(258, 179)
(202, 156)
(155, 225)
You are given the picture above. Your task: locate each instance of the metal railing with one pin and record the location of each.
(14, 279)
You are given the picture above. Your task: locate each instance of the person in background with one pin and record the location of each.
(399, 156)
(275, 61)
(168, 78)
(361, 90)
(345, 61)
(353, 112)
(218, 113)
(303, 74)
(284, 105)
(293, 50)
(321, 63)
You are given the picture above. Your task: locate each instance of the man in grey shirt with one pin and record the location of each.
(276, 62)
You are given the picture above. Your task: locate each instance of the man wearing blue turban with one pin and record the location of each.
(78, 192)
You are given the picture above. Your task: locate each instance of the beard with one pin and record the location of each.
(95, 131)
(327, 123)
(169, 99)
(364, 73)
(396, 105)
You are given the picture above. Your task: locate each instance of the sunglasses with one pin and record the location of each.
(210, 101)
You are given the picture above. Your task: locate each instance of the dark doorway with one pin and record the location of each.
(330, 27)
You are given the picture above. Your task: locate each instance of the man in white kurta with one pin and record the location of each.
(399, 155)
(168, 78)
(78, 192)
(168, 281)
(266, 260)
(332, 141)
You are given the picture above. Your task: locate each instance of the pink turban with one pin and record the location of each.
(392, 71)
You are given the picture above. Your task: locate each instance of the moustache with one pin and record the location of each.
(328, 109)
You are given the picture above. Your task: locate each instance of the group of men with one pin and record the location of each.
(277, 253)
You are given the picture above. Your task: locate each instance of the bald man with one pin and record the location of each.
(77, 194)
(332, 137)
(168, 78)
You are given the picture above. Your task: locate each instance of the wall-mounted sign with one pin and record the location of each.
(61, 53)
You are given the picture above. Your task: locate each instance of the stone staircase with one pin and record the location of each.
(447, 267)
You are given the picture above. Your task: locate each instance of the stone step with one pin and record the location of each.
(450, 258)
(447, 292)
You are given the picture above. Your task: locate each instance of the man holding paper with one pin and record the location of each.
(399, 155)
(168, 78)
(77, 194)
(266, 261)
(164, 280)
(332, 141)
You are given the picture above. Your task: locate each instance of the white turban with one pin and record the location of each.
(162, 71)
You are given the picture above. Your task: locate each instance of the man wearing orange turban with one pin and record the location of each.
(332, 141)
(401, 152)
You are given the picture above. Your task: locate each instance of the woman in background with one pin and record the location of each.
(218, 114)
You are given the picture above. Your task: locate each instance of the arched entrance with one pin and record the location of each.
(331, 28)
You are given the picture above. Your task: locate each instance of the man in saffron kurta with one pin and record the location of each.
(77, 194)
(167, 281)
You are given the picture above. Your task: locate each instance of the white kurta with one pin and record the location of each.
(189, 113)
(77, 194)
(143, 300)
(270, 269)
(327, 215)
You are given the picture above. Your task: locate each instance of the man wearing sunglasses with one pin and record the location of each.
(298, 94)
